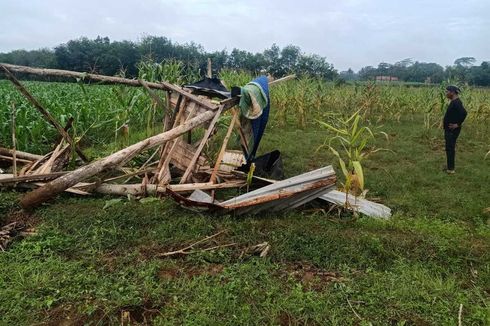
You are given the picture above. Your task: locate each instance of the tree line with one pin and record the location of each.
(101, 55)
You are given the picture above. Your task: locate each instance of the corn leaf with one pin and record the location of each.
(360, 176)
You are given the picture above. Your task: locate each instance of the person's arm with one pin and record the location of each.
(461, 114)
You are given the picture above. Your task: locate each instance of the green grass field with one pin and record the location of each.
(96, 266)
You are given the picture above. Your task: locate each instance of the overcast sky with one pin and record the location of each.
(349, 33)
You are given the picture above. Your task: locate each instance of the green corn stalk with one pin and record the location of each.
(351, 138)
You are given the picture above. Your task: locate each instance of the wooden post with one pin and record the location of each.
(210, 69)
(165, 166)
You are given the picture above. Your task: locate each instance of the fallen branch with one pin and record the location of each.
(262, 249)
(16, 159)
(352, 308)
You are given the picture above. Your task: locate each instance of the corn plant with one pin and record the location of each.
(348, 143)
(171, 70)
(232, 78)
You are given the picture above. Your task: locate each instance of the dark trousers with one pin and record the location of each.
(451, 136)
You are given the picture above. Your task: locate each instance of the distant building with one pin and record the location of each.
(386, 78)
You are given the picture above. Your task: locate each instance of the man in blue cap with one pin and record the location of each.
(453, 119)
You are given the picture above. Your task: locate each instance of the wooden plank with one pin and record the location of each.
(151, 189)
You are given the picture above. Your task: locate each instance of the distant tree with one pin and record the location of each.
(316, 66)
(271, 58)
(384, 69)
(404, 63)
(367, 73)
(422, 71)
(219, 60)
(290, 56)
(348, 75)
(465, 61)
(480, 75)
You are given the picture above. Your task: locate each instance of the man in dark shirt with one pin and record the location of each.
(452, 122)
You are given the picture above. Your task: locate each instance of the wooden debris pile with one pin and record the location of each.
(177, 163)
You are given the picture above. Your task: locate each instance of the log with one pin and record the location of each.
(20, 154)
(53, 188)
(84, 188)
(107, 79)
